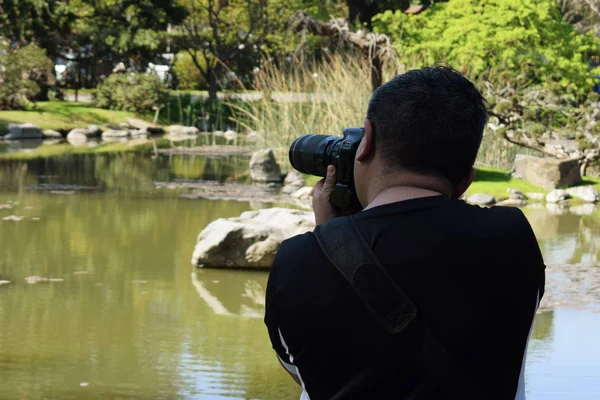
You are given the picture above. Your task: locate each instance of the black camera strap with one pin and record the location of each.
(347, 249)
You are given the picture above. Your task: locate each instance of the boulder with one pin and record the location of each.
(90, 132)
(114, 134)
(251, 240)
(50, 134)
(180, 130)
(548, 173)
(146, 126)
(139, 133)
(535, 196)
(76, 138)
(511, 203)
(294, 178)
(481, 199)
(23, 131)
(264, 167)
(303, 193)
(557, 195)
(4, 282)
(585, 193)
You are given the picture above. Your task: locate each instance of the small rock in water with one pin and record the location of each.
(28, 208)
(557, 195)
(139, 281)
(81, 272)
(35, 218)
(481, 199)
(4, 283)
(5, 206)
(56, 280)
(215, 281)
(39, 279)
(84, 384)
(13, 218)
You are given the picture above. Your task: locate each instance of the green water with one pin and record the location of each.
(132, 319)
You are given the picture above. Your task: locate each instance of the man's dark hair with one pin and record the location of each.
(429, 120)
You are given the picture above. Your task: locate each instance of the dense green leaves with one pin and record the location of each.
(132, 92)
(520, 39)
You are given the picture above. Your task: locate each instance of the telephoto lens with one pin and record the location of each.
(311, 154)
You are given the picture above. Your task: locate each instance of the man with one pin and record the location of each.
(475, 275)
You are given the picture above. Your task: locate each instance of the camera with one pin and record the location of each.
(311, 154)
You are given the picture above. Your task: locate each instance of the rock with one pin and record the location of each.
(13, 218)
(4, 282)
(251, 137)
(230, 135)
(50, 134)
(514, 191)
(139, 133)
(585, 193)
(294, 178)
(180, 130)
(289, 189)
(251, 240)
(548, 173)
(557, 195)
(114, 134)
(77, 132)
(264, 167)
(218, 133)
(5, 206)
(303, 193)
(481, 199)
(516, 196)
(535, 196)
(23, 131)
(94, 130)
(146, 126)
(511, 203)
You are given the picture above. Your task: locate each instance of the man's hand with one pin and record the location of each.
(324, 211)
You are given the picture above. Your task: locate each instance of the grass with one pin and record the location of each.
(62, 116)
(46, 151)
(490, 181)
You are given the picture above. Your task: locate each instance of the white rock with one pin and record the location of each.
(115, 134)
(303, 193)
(4, 282)
(481, 199)
(557, 195)
(511, 203)
(76, 138)
(251, 240)
(294, 178)
(180, 130)
(13, 218)
(230, 135)
(50, 134)
(585, 193)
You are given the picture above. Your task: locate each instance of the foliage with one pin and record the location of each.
(526, 39)
(188, 76)
(137, 92)
(22, 72)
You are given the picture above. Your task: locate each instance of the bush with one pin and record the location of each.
(188, 76)
(498, 41)
(22, 72)
(136, 92)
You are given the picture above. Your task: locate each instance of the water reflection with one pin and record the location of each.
(125, 172)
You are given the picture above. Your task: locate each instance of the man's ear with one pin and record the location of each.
(464, 184)
(366, 149)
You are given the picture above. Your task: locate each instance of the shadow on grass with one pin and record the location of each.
(492, 176)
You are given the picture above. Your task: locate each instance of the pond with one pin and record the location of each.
(131, 318)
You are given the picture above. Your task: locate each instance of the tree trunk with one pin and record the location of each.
(213, 85)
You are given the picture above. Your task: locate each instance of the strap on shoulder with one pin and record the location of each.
(347, 249)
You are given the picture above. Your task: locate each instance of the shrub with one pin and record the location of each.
(498, 41)
(137, 92)
(188, 76)
(22, 72)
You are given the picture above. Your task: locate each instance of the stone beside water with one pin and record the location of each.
(585, 193)
(548, 173)
(481, 199)
(23, 131)
(251, 240)
(264, 167)
(557, 195)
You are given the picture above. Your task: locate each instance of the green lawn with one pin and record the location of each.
(58, 115)
(489, 181)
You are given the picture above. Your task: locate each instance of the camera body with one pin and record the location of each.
(311, 154)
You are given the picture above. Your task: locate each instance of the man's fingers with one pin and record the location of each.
(329, 183)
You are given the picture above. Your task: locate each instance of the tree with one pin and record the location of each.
(218, 31)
